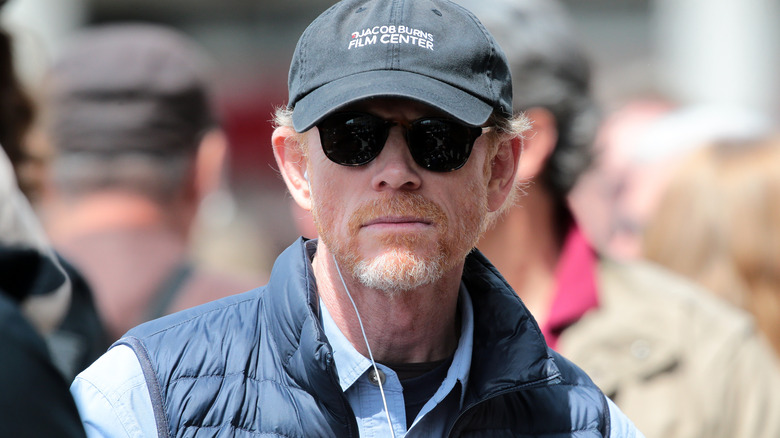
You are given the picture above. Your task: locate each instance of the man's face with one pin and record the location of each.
(392, 224)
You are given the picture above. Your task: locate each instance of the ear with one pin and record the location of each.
(538, 144)
(292, 165)
(503, 170)
(210, 162)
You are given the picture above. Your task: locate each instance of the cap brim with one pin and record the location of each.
(328, 98)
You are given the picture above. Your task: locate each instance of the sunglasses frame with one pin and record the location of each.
(380, 131)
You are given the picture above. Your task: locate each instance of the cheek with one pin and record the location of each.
(472, 204)
(467, 208)
(329, 207)
(324, 205)
(471, 192)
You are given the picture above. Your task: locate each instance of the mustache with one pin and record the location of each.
(402, 204)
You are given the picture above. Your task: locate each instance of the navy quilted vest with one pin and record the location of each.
(258, 364)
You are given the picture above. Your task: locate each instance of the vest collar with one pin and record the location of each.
(291, 311)
(509, 349)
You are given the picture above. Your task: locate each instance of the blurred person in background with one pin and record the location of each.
(35, 295)
(676, 360)
(137, 147)
(599, 190)
(638, 146)
(718, 223)
(79, 337)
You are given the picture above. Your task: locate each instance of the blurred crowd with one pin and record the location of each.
(646, 242)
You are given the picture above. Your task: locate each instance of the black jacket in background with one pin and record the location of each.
(34, 396)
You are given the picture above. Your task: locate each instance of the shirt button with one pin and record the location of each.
(641, 349)
(372, 376)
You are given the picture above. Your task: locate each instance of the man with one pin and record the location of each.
(138, 148)
(676, 361)
(399, 137)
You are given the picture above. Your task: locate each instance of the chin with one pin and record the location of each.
(398, 271)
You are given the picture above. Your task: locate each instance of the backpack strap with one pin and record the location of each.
(169, 290)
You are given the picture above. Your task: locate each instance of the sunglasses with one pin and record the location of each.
(436, 144)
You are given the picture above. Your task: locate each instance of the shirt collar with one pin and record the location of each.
(576, 291)
(351, 365)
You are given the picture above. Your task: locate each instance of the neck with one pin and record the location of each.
(412, 326)
(524, 246)
(111, 210)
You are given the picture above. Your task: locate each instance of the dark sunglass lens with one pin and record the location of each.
(441, 145)
(352, 139)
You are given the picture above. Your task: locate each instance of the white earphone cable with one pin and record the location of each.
(370, 355)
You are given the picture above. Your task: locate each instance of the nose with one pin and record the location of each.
(395, 168)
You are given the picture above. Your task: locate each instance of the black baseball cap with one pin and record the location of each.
(431, 51)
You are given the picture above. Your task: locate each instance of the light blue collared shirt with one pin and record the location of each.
(365, 397)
